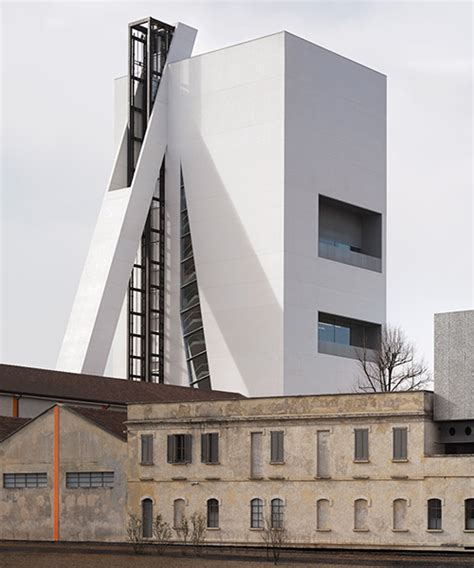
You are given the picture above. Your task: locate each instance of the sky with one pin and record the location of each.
(58, 62)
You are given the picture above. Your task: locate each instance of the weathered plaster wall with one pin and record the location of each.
(85, 514)
(26, 514)
(380, 480)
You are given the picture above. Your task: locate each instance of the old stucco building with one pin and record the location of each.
(64, 476)
(337, 470)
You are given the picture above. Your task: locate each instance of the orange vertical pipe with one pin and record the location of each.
(15, 407)
(56, 475)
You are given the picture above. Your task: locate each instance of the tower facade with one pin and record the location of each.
(268, 163)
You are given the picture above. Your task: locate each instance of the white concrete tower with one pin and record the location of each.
(275, 210)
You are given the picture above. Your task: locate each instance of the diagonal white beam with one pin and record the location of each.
(115, 241)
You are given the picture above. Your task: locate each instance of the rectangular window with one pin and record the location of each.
(256, 459)
(147, 449)
(89, 479)
(400, 444)
(277, 454)
(322, 466)
(210, 448)
(180, 448)
(361, 444)
(25, 480)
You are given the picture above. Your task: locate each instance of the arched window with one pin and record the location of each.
(361, 512)
(469, 514)
(435, 514)
(399, 514)
(277, 513)
(178, 512)
(212, 514)
(256, 514)
(147, 518)
(322, 515)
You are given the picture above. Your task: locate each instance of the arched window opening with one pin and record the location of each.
(399, 514)
(435, 514)
(277, 513)
(322, 515)
(212, 514)
(361, 513)
(147, 518)
(256, 514)
(469, 514)
(178, 513)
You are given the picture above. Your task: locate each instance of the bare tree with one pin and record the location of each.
(393, 366)
(274, 535)
(135, 533)
(162, 533)
(198, 531)
(182, 531)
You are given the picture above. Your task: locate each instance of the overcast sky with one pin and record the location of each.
(58, 65)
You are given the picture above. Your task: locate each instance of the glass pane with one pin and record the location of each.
(195, 343)
(342, 335)
(200, 368)
(186, 246)
(184, 223)
(326, 332)
(192, 320)
(189, 295)
(188, 271)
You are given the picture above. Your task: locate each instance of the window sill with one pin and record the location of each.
(255, 478)
(360, 477)
(322, 477)
(468, 531)
(401, 461)
(256, 529)
(400, 530)
(277, 463)
(146, 464)
(434, 530)
(213, 528)
(323, 530)
(361, 461)
(211, 463)
(179, 478)
(360, 530)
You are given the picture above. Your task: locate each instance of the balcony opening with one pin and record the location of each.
(346, 337)
(350, 234)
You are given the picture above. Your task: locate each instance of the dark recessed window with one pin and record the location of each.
(340, 331)
(180, 448)
(350, 234)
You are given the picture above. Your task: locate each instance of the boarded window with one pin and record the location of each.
(212, 514)
(277, 508)
(277, 449)
(147, 518)
(322, 515)
(210, 448)
(89, 479)
(469, 514)
(361, 444)
(323, 459)
(256, 514)
(180, 448)
(24, 480)
(147, 449)
(399, 514)
(178, 513)
(400, 444)
(435, 514)
(256, 459)
(361, 513)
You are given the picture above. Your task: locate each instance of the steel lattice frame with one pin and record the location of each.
(149, 42)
